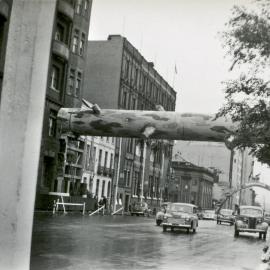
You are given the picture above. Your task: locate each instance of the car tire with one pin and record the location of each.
(260, 235)
(164, 228)
(172, 229)
(132, 214)
(236, 233)
(218, 222)
(158, 222)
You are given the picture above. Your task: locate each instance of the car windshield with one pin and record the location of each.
(251, 212)
(181, 208)
(226, 212)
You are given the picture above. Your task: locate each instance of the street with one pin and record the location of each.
(79, 242)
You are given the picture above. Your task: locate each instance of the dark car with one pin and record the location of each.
(267, 217)
(250, 219)
(140, 209)
(225, 216)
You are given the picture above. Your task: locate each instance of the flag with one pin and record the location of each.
(175, 69)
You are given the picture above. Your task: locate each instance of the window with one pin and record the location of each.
(82, 45)
(86, 6)
(103, 188)
(97, 187)
(124, 103)
(109, 190)
(128, 178)
(55, 78)
(105, 159)
(79, 7)
(100, 157)
(111, 162)
(59, 33)
(75, 44)
(52, 123)
(71, 81)
(78, 84)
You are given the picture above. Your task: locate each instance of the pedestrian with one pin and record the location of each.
(95, 203)
(104, 202)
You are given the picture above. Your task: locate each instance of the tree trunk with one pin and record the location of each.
(144, 124)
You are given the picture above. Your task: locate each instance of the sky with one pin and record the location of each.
(182, 38)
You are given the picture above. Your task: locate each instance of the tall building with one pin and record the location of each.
(5, 10)
(119, 77)
(61, 156)
(233, 168)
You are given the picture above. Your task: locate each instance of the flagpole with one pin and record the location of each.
(174, 73)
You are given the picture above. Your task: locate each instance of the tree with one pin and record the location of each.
(247, 40)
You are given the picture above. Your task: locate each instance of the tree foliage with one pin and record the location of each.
(247, 40)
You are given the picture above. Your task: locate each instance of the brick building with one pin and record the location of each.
(60, 166)
(119, 77)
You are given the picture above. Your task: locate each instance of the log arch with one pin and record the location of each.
(242, 187)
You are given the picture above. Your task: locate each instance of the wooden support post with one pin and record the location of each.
(21, 119)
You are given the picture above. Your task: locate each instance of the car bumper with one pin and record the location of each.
(251, 230)
(225, 220)
(176, 225)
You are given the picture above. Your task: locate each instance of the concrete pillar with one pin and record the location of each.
(21, 118)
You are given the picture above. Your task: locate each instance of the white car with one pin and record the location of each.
(209, 214)
(180, 216)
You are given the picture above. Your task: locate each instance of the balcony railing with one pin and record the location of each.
(61, 49)
(66, 9)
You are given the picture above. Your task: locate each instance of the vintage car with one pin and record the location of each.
(267, 217)
(250, 219)
(160, 214)
(180, 215)
(225, 216)
(140, 209)
(209, 214)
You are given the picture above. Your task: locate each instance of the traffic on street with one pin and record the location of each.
(101, 242)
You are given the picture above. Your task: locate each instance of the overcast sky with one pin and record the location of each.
(181, 33)
(174, 32)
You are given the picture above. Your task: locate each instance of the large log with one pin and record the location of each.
(144, 124)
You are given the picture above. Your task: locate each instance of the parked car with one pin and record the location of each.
(140, 209)
(250, 219)
(180, 215)
(160, 214)
(267, 217)
(209, 214)
(225, 216)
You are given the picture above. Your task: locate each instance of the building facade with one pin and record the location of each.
(233, 168)
(61, 156)
(99, 166)
(191, 184)
(119, 77)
